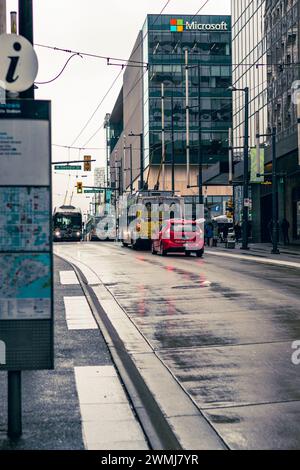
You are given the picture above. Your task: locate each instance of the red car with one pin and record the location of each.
(179, 236)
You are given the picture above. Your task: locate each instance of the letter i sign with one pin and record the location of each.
(18, 63)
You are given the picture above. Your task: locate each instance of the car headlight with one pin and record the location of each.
(78, 234)
(57, 234)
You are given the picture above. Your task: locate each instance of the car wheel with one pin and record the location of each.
(124, 244)
(188, 253)
(153, 251)
(199, 253)
(162, 251)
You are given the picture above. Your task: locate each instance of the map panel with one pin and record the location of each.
(25, 286)
(24, 219)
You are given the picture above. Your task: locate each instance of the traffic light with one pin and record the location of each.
(87, 163)
(79, 188)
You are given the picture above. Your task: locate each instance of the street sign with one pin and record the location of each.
(26, 266)
(247, 202)
(93, 191)
(67, 167)
(18, 63)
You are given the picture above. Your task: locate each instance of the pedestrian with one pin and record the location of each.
(238, 232)
(209, 234)
(270, 230)
(285, 226)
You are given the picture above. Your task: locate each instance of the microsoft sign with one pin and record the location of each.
(179, 25)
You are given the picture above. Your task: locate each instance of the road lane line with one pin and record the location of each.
(78, 314)
(289, 264)
(108, 421)
(68, 278)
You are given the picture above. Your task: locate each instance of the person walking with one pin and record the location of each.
(209, 234)
(285, 226)
(238, 232)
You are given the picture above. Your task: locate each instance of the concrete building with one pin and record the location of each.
(158, 57)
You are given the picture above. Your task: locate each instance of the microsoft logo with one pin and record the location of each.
(176, 26)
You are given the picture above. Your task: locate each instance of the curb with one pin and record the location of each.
(168, 416)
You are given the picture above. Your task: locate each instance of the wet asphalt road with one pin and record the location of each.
(223, 326)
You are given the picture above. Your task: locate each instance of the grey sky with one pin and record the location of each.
(107, 28)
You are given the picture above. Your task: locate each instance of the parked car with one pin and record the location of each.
(179, 236)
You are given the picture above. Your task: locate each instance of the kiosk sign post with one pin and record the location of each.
(26, 264)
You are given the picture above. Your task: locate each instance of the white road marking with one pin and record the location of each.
(68, 278)
(275, 262)
(78, 314)
(108, 421)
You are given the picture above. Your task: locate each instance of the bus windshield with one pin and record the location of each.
(68, 221)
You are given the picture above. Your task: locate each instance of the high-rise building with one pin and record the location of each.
(266, 59)
(159, 58)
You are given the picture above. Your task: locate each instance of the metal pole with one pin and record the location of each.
(187, 103)
(275, 250)
(230, 145)
(14, 405)
(246, 174)
(200, 162)
(2, 16)
(173, 144)
(142, 161)
(26, 30)
(131, 170)
(163, 148)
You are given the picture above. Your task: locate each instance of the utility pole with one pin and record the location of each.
(200, 161)
(26, 30)
(131, 169)
(172, 144)
(187, 107)
(246, 173)
(163, 147)
(141, 136)
(2, 16)
(275, 250)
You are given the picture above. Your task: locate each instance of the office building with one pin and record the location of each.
(159, 57)
(265, 58)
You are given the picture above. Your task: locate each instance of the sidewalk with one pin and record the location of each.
(260, 252)
(82, 403)
(291, 250)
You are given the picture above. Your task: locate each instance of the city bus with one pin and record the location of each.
(67, 224)
(142, 214)
(100, 228)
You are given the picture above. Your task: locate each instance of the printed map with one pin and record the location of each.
(25, 286)
(24, 219)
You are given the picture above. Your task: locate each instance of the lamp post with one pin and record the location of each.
(141, 136)
(246, 170)
(275, 250)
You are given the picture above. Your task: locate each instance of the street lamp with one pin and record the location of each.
(246, 169)
(141, 136)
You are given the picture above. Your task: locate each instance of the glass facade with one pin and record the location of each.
(208, 43)
(266, 57)
(248, 51)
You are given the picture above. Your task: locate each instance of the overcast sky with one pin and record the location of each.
(104, 27)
